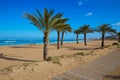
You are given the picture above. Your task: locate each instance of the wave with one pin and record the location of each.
(27, 42)
(9, 41)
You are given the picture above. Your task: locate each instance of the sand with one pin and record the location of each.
(26, 63)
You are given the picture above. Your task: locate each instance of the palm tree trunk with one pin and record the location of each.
(77, 39)
(119, 39)
(85, 39)
(45, 50)
(58, 43)
(102, 44)
(62, 38)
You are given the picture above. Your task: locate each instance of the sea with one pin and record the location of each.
(29, 42)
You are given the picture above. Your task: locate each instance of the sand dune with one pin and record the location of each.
(25, 63)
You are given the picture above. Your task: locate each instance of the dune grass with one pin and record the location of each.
(56, 59)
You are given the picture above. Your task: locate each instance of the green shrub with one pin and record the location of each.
(81, 53)
(62, 56)
(54, 59)
(118, 46)
(107, 46)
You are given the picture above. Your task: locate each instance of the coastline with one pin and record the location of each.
(18, 43)
(35, 42)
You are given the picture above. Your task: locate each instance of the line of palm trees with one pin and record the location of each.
(103, 29)
(48, 21)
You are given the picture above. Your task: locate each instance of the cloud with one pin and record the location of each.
(89, 14)
(80, 3)
(116, 24)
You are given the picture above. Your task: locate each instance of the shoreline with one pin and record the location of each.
(41, 43)
(36, 42)
(22, 44)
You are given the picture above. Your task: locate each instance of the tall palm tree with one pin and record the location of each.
(59, 29)
(118, 36)
(46, 24)
(105, 28)
(85, 29)
(65, 29)
(77, 32)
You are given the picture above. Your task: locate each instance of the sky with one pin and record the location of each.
(80, 12)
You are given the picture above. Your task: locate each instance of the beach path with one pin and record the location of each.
(94, 70)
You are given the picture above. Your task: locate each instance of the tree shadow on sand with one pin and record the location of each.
(74, 48)
(23, 47)
(113, 77)
(2, 56)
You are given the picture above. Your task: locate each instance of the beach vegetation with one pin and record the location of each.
(86, 29)
(77, 32)
(80, 53)
(104, 29)
(59, 29)
(85, 54)
(55, 59)
(107, 46)
(65, 29)
(117, 45)
(46, 23)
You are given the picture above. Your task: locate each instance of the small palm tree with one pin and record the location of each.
(77, 32)
(59, 29)
(85, 29)
(118, 36)
(105, 28)
(65, 29)
(46, 24)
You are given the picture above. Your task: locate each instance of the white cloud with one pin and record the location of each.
(116, 24)
(80, 3)
(89, 14)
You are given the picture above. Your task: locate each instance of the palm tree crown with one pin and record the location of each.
(105, 28)
(45, 23)
(67, 28)
(86, 29)
(77, 31)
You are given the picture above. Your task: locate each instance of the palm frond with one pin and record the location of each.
(86, 29)
(105, 28)
(77, 31)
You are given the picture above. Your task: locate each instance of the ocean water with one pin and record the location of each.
(27, 42)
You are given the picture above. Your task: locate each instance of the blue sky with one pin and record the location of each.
(80, 12)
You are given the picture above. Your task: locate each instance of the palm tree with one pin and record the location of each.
(59, 29)
(118, 36)
(77, 32)
(85, 29)
(105, 28)
(65, 29)
(46, 24)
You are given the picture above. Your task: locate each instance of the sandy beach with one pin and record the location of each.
(26, 63)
